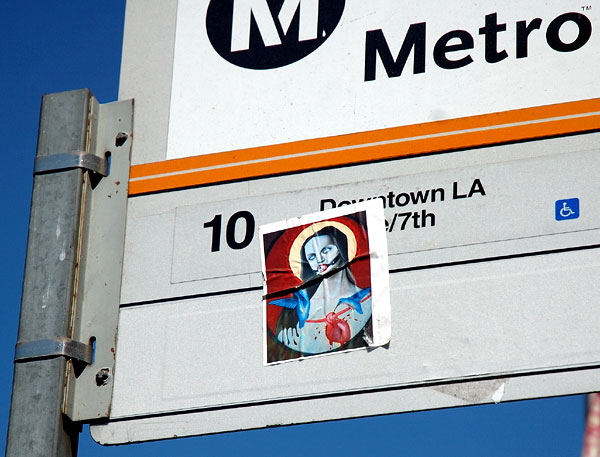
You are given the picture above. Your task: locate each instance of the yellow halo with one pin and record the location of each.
(295, 256)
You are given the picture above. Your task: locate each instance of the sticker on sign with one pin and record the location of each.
(326, 286)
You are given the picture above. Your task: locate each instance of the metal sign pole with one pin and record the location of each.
(37, 424)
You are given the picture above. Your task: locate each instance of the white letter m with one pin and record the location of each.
(244, 10)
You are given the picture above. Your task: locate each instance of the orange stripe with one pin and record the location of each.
(273, 161)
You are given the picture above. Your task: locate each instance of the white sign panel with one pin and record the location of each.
(470, 212)
(349, 66)
(476, 132)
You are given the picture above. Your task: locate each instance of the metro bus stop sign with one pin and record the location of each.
(260, 111)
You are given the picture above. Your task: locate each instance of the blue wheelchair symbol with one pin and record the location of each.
(566, 209)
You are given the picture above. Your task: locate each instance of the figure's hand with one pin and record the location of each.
(289, 336)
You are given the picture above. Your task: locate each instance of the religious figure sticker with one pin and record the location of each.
(326, 286)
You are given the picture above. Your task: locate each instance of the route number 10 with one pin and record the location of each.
(230, 230)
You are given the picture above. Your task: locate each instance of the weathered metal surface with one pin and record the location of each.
(90, 391)
(37, 426)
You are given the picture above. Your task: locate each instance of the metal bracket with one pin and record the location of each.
(89, 392)
(77, 159)
(56, 347)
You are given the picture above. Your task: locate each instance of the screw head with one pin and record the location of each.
(121, 138)
(102, 377)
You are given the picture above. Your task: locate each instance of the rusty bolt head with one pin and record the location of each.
(102, 377)
(121, 138)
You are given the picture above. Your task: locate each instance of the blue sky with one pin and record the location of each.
(66, 44)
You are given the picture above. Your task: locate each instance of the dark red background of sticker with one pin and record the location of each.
(279, 273)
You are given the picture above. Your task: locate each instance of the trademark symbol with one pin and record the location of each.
(586, 8)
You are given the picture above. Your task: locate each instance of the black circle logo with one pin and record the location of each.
(265, 34)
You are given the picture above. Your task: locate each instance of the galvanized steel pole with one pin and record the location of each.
(38, 427)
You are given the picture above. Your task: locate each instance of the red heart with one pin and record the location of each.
(336, 329)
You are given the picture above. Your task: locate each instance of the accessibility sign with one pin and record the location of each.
(567, 209)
